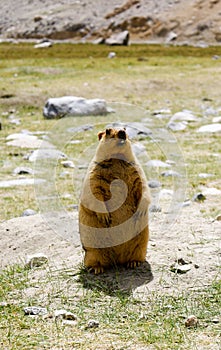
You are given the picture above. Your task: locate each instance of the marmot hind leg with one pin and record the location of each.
(93, 260)
(138, 253)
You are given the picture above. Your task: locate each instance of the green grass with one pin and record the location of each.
(151, 77)
(157, 319)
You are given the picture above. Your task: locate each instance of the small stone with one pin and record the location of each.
(157, 163)
(215, 320)
(205, 175)
(67, 317)
(154, 184)
(21, 170)
(218, 218)
(92, 324)
(28, 212)
(112, 54)
(36, 260)
(170, 173)
(177, 126)
(177, 268)
(68, 164)
(35, 311)
(199, 197)
(191, 321)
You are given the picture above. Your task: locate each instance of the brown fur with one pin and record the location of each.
(113, 235)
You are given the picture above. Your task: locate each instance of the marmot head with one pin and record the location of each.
(114, 143)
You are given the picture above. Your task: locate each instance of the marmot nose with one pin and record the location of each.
(122, 134)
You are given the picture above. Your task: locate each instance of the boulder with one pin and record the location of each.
(118, 39)
(74, 106)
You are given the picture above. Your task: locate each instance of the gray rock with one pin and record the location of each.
(118, 39)
(154, 184)
(23, 140)
(35, 311)
(74, 106)
(170, 173)
(23, 170)
(133, 130)
(171, 37)
(177, 268)
(185, 115)
(156, 163)
(68, 164)
(47, 153)
(28, 212)
(36, 260)
(177, 126)
(92, 324)
(210, 128)
(67, 317)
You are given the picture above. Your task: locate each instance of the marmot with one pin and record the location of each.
(113, 210)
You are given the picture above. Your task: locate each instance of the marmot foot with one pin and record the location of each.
(97, 269)
(133, 264)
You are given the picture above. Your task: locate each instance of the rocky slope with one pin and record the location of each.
(183, 21)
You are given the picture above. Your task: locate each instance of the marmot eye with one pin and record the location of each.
(108, 131)
(121, 134)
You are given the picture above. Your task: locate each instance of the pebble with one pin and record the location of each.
(191, 321)
(180, 268)
(154, 184)
(92, 324)
(68, 164)
(28, 212)
(199, 197)
(218, 218)
(205, 175)
(170, 173)
(157, 163)
(184, 116)
(67, 317)
(23, 170)
(36, 260)
(177, 126)
(35, 311)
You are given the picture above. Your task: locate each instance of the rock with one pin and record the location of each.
(35, 311)
(205, 175)
(43, 45)
(118, 39)
(218, 218)
(184, 116)
(36, 260)
(179, 126)
(28, 212)
(154, 184)
(199, 197)
(177, 268)
(156, 163)
(23, 170)
(217, 120)
(20, 182)
(111, 54)
(67, 317)
(133, 130)
(171, 37)
(212, 191)
(68, 164)
(23, 140)
(170, 173)
(74, 106)
(92, 324)
(47, 153)
(210, 128)
(191, 321)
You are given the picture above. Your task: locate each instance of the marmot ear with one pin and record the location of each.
(100, 134)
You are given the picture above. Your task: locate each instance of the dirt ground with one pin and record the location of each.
(190, 236)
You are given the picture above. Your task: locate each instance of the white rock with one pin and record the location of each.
(23, 140)
(68, 164)
(43, 45)
(210, 128)
(217, 120)
(177, 126)
(186, 116)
